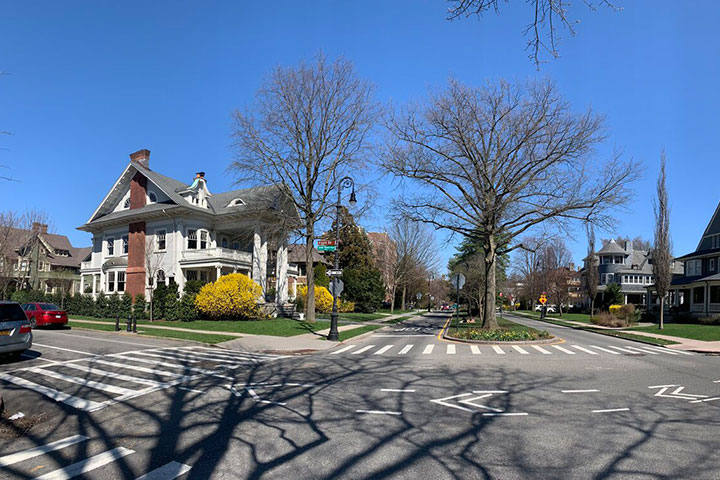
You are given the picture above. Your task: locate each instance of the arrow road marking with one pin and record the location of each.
(442, 401)
(480, 394)
(677, 393)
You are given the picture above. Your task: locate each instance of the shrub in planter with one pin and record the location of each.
(231, 296)
(713, 320)
(502, 335)
(323, 298)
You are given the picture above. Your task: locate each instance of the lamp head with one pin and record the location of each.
(353, 200)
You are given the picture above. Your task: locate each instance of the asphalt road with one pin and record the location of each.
(397, 404)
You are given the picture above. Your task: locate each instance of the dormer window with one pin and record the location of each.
(237, 202)
(152, 196)
(126, 205)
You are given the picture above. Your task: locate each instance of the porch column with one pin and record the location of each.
(82, 283)
(281, 267)
(218, 272)
(259, 261)
(94, 285)
(625, 299)
(707, 299)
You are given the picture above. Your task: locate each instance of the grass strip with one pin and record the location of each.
(149, 332)
(357, 331)
(708, 333)
(354, 317)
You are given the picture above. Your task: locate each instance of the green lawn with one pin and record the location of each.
(630, 336)
(357, 331)
(195, 337)
(354, 317)
(279, 327)
(709, 333)
(502, 323)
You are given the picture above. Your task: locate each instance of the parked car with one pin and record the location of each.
(550, 308)
(45, 314)
(15, 329)
(445, 307)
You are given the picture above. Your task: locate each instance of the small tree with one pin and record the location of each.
(661, 255)
(320, 276)
(364, 287)
(154, 259)
(613, 295)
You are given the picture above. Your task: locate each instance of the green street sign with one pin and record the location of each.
(326, 248)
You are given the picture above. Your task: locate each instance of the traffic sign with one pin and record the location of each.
(418, 296)
(458, 280)
(543, 299)
(332, 286)
(326, 242)
(334, 273)
(326, 248)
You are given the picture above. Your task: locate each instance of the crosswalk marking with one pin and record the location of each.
(384, 349)
(166, 472)
(605, 350)
(136, 368)
(565, 350)
(667, 350)
(41, 450)
(166, 357)
(56, 395)
(475, 349)
(642, 350)
(84, 382)
(344, 349)
(498, 350)
(451, 349)
(541, 350)
(583, 349)
(625, 350)
(521, 350)
(87, 464)
(364, 349)
(428, 349)
(650, 349)
(165, 364)
(406, 349)
(117, 376)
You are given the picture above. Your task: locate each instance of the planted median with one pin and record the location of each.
(507, 331)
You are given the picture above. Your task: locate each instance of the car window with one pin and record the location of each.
(49, 306)
(29, 306)
(11, 312)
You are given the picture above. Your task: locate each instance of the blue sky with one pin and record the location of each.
(89, 82)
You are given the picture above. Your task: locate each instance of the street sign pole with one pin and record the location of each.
(333, 335)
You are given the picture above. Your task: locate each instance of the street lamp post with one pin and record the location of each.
(430, 279)
(345, 182)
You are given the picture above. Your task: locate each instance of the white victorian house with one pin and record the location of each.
(150, 228)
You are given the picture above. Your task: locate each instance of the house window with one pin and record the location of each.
(120, 282)
(693, 267)
(161, 276)
(160, 238)
(110, 245)
(605, 260)
(699, 295)
(152, 197)
(715, 294)
(126, 205)
(192, 239)
(619, 259)
(203, 239)
(191, 275)
(110, 282)
(124, 244)
(203, 276)
(235, 246)
(224, 243)
(41, 266)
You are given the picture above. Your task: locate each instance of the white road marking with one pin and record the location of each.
(403, 336)
(98, 339)
(450, 349)
(605, 350)
(569, 352)
(166, 357)
(611, 410)
(167, 472)
(41, 450)
(428, 349)
(705, 400)
(660, 350)
(716, 381)
(344, 349)
(383, 349)
(541, 350)
(87, 465)
(498, 350)
(406, 349)
(364, 349)
(84, 382)
(475, 349)
(503, 414)
(442, 401)
(642, 350)
(666, 350)
(56, 395)
(662, 386)
(166, 364)
(583, 349)
(625, 350)
(590, 390)
(521, 350)
(233, 353)
(190, 390)
(35, 344)
(136, 368)
(378, 412)
(105, 373)
(396, 390)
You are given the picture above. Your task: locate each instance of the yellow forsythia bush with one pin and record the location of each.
(615, 310)
(231, 296)
(323, 298)
(345, 307)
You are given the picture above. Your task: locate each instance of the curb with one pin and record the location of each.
(542, 341)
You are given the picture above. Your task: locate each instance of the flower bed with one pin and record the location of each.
(501, 335)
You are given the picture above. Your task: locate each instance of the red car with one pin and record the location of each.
(45, 314)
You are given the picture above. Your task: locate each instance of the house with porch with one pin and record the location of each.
(697, 290)
(152, 229)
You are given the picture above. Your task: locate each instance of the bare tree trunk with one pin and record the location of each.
(662, 310)
(392, 300)
(310, 272)
(489, 320)
(404, 292)
(592, 308)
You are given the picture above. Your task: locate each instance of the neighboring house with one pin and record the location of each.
(630, 268)
(697, 290)
(150, 228)
(298, 266)
(42, 261)
(384, 253)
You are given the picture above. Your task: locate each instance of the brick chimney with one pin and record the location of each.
(38, 227)
(142, 157)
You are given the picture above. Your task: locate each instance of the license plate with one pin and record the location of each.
(5, 333)
(58, 316)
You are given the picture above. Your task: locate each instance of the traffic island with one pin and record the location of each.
(507, 333)
(540, 341)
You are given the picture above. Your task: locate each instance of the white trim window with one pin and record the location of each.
(110, 246)
(693, 267)
(124, 245)
(711, 264)
(192, 242)
(204, 239)
(161, 240)
(715, 241)
(110, 287)
(126, 204)
(121, 282)
(152, 197)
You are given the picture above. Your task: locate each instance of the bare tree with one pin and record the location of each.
(591, 271)
(493, 163)
(541, 32)
(9, 223)
(557, 266)
(307, 130)
(661, 254)
(528, 267)
(154, 259)
(414, 255)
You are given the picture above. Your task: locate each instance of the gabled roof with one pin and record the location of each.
(612, 248)
(296, 254)
(709, 225)
(699, 253)
(20, 237)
